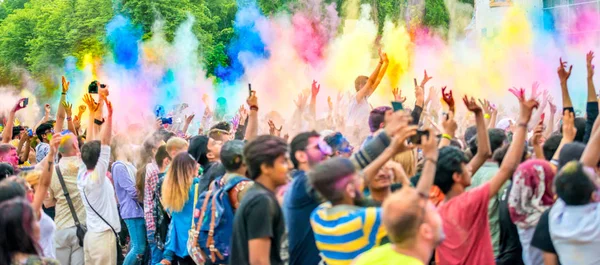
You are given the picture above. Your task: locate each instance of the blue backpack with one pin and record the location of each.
(215, 223)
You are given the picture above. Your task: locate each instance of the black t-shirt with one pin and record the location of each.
(259, 216)
(541, 237)
(511, 252)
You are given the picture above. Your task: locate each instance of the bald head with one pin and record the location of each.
(69, 145)
(402, 215)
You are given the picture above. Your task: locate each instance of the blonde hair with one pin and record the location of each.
(176, 143)
(408, 161)
(176, 187)
(33, 177)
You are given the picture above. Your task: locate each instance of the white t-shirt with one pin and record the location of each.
(100, 193)
(358, 113)
(575, 232)
(47, 231)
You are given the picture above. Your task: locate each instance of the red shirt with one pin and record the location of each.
(465, 221)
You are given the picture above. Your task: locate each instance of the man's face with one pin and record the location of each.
(345, 150)
(466, 175)
(383, 179)
(279, 171)
(47, 136)
(387, 116)
(11, 157)
(313, 151)
(214, 148)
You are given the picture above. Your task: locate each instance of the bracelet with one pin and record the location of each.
(68, 118)
(63, 93)
(254, 108)
(487, 116)
(99, 122)
(431, 160)
(447, 136)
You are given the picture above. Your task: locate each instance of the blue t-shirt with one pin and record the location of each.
(298, 205)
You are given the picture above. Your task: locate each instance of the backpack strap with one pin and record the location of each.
(210, 242)
(202, 211)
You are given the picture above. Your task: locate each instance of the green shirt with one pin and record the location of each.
(385, 255)
(485, 173)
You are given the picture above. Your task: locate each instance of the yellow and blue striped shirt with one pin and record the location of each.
(344, 232)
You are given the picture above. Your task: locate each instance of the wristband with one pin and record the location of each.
(63, 93)
(446, 136)
(431, 160)
(254, 108)
(68, 118)
(487, 116)
(99, 122)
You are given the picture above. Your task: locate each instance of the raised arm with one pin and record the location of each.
(563, 76)
(550, 127)
(60, 114)
(10, 122)
(252, 127)
(313, 99)
(591, 154)
(93, 107)
(484, 151)
(515, 150)
(370, 86)
(68, 110)
(449, 129)
(536, 140)
(46, 175)
(568, 132)
(430, 155)
(592, 103)
(46, 117)
(188, 121)
(383, 70)
(106, 132)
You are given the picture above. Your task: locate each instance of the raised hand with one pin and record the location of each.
(536, 138)
(400, 143)
(330, 103)
(273, 130)
(526, 107)
(47, 109)
(65, 85)
(383, 58)
(426, 79)
(301, 101)
(429, 145)
(315, 89)
(81, 110)
(590, 67)
(563, 74)
(90, 102)
(188, 119)
(55, 142)
(397, 121)
(19, 105)
(398, 95)
(68, 108)
(432, 94)
(471, 104)
(448, 98)
(252, 99)
(419, 94)
(449, 124)
(243, 113)
(568, 127)
(519, 93)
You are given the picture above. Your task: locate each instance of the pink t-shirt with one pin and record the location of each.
(467, 230)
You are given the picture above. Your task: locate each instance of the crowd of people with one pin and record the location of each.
(434, 182)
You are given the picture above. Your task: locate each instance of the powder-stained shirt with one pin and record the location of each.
(69, 167)
(386, 255)
(344, 232)
(468, 240)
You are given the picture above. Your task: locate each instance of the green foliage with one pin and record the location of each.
(38, 35)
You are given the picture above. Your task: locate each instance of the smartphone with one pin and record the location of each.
(30, 132)
(168, 120)
(397, 106)
(93, 87)
(416, 139)
(25, 102)
(249, 89)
